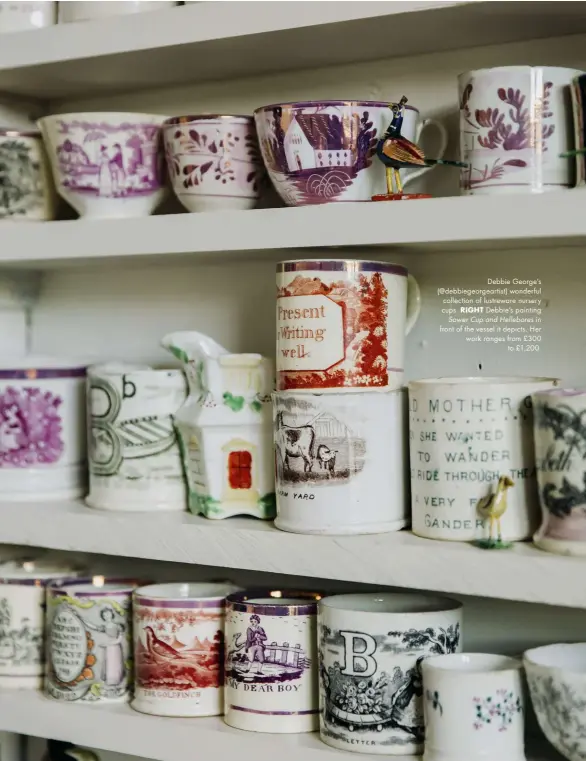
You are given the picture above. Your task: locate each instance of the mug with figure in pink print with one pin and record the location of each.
(515, 121)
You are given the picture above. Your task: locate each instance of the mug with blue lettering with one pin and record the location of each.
(371, 647)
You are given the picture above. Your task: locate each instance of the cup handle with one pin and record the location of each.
(412, 174)
(413, 303)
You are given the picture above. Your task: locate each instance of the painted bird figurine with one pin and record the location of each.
(396, 152)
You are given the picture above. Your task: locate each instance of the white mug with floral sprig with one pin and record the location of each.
(474, 708)
(515, 121)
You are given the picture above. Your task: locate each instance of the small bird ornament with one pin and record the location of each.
(396, 153)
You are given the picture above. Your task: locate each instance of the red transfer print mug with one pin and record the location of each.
(341, 323)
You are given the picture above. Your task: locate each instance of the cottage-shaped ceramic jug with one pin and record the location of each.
(225, 428)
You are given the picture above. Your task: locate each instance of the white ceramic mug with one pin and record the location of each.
(341, 323)
(27, 193)
(271, 661)
(465, 434)
(89, 626)
(178, 634)
(474, 708)
(134, 457)
(560, 449)
(42, 429)
(323, 151)
(371, 647)
(22, 619)
(342, 462)
(515, 121)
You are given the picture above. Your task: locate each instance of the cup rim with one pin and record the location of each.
(244, 601)
(39, 574)
(12, 132)
(326, 102)
(487, 69)
(476, 380)
(38, 367)
(174, 121)
(561, 392)
(109, 586)
(128, 368)
(341, 265)
(480, 663)
(118, 116)
(530, 656)
(156, 595)
(435, 603)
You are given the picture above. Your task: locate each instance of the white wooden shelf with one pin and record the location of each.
(397, 559)
(212, 40)
(120, 729)
(473, 222)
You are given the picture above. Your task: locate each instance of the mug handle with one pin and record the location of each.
(413, 303)
(412, 174)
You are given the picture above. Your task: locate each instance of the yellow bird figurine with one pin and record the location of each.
(493, 508)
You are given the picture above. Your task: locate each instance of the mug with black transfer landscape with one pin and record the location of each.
(271, 678)
(342, 461)
(89, 639)
(22, 618)
(371, 647)
(341, 324)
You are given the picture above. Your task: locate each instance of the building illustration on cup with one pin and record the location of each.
(342, 323)
(271, 663)
(88, 640)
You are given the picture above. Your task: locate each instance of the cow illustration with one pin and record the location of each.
(295, 441)
(326, 459)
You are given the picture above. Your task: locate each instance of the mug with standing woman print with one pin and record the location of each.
(89, 639)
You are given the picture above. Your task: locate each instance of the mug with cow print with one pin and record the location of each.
(341, 462)
(341, 323)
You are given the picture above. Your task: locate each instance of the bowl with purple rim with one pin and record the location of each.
(214, 161)
(107, 164)
(324, 151)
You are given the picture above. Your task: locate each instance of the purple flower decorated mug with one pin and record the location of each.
(107, 164)
(214, 162)
(514, 124)
(42, 429)
(323, 151)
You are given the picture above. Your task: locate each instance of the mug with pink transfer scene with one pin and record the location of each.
(341, 323)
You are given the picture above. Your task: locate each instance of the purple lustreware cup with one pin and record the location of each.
(324, 151)
(214, 161)
(107, 164)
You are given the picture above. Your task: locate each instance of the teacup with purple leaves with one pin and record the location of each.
(214, 161)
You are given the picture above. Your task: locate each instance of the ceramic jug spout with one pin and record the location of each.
(189, 345)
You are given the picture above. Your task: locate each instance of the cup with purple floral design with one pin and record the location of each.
(474, 707)
(107, 164)
(214, 161)
(515, 121)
